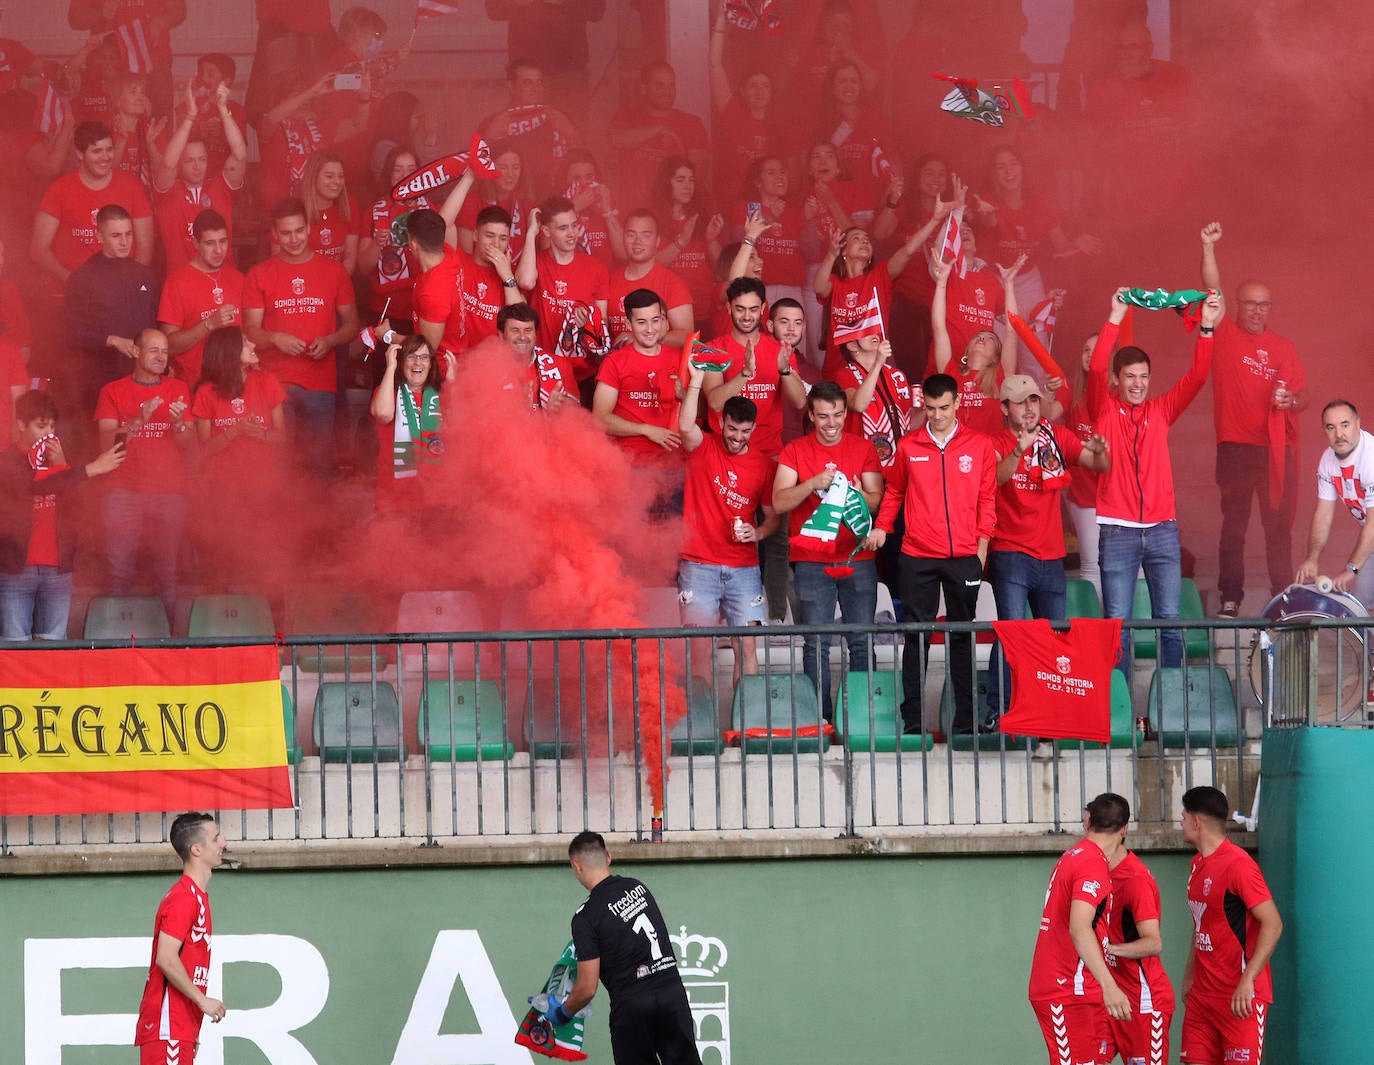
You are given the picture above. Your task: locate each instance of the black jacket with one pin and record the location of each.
(18, 486)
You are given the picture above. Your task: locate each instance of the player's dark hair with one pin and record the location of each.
(1340, 403)
(112, 212)
(1109, 812)
(745, 286)
(741, 410)
(224, 62)
(650, 69)
(787, 303)
(587, 843)
(186, 832)
(1130, 355)
(492, 214)
(1208, 802)
(516, 312)
(521, 63)
(939, 385)
(34, 405)
(555, 205)
(88, 133)
(641, 298)
(208, 221)
(221, 362)
(288, 207)
(426, 227)
(825, 392)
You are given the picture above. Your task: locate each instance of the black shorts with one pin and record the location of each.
(654, 1026)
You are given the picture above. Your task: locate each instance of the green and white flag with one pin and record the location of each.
(842, 505)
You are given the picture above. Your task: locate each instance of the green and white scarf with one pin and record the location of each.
(417, 438)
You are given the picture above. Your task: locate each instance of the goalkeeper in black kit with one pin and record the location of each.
(620, 939)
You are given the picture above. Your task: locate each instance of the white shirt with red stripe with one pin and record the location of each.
(1351, 479)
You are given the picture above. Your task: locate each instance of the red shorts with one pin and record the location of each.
(167, 1052)
(1071, 1031)
(1143, 1040)
(1213, 1035)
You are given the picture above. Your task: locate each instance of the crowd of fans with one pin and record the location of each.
(202, 314)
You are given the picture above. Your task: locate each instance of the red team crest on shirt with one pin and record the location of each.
(325, 236)
(851, 299)
(981, 297)
(965, 463)
(560, 288)
(237, 405)
(298, 286)
(1063, 664)
(482, 290)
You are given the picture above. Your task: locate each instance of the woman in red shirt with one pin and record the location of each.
(333, 213)
(691, 232)
(1080, 503)
(984, 362)
(387, 264)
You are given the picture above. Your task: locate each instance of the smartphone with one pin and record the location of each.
(752, 210)
(121, 439)
(348, 82)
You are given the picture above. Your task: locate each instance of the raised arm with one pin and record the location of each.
(1008, 277)
(940, 345)
(453, 204)
(687, 426)
(715, 63)
(821, 285)
(903, 255)
(1211, 272)
(1176, 400)
(383, 406)
(236, 166)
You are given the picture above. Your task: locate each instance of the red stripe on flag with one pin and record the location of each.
(147, 791)
(146, 666)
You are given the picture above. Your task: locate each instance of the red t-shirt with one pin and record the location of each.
(262, 394)
(164, 1012)
(887, 418)
(301, 299)
(518, 210)
(1135, 898)
(978, 410)
(191, 295)
(719, 488)
(645, 393)
(740, 139)
(1061, 681)
(483, 296)
(1057, 972)
(1220, 886)
(693, 265)
(660, 279)
(548, 373)
(854, 141)
(14, 319)
(13, 374)
(559, 286)
(853, 457)
(15, 60)
(1019, 231)
(74, 205)
(780, 246)
(1246, 369)
(972, 304)
(331, 229)
(177, 209)
(1083, 486)
(1028, 518)
(848, 302)
(396, 271)
(43, 536)
(763, 388)
(154, 461)
(438, 297)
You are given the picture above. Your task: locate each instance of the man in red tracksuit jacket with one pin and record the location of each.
(1136, 522)
(944, 479)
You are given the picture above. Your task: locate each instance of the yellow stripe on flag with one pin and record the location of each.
(122, 728)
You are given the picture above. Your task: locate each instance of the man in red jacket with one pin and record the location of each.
(1136, 520)
(944, 480)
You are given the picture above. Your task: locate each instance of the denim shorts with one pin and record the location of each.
(705, 591)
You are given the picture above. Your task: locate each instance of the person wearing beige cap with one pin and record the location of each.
(1026, 555)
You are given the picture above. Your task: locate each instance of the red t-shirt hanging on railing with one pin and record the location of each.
(1061, 682)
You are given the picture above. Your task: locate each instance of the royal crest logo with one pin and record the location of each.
(734, 478)
(298, 286)
(326, 235)
(560, 288)
(981, 297)
(700, 961)
(237, 405)
(1206, 886)
(965, 463)
(481, 290)
(1063, 664)
(851, 299)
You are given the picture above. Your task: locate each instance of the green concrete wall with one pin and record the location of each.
(825, 961)
(1317, 852)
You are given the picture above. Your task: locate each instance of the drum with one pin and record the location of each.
(1303, 675)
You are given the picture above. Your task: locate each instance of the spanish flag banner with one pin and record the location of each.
(141, 729)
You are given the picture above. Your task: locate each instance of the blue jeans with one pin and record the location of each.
(152, 518)
(818, 592)
(1019, 580)
(310, 420)
(34, 603)
(705, 592)
(1122, 552)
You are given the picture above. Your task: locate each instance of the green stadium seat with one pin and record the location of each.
(450, 715)
(231, 615)
(778, 703)
(880, 693)
(1123, 718)
(1081, 599)
(965, 741)
(331, 611)
(288, 713)
(125, 617)
(1195, 641)
(351, 727)
(1187, 704)
(699, 731)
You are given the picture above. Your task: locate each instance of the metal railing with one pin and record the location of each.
(434, 736)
